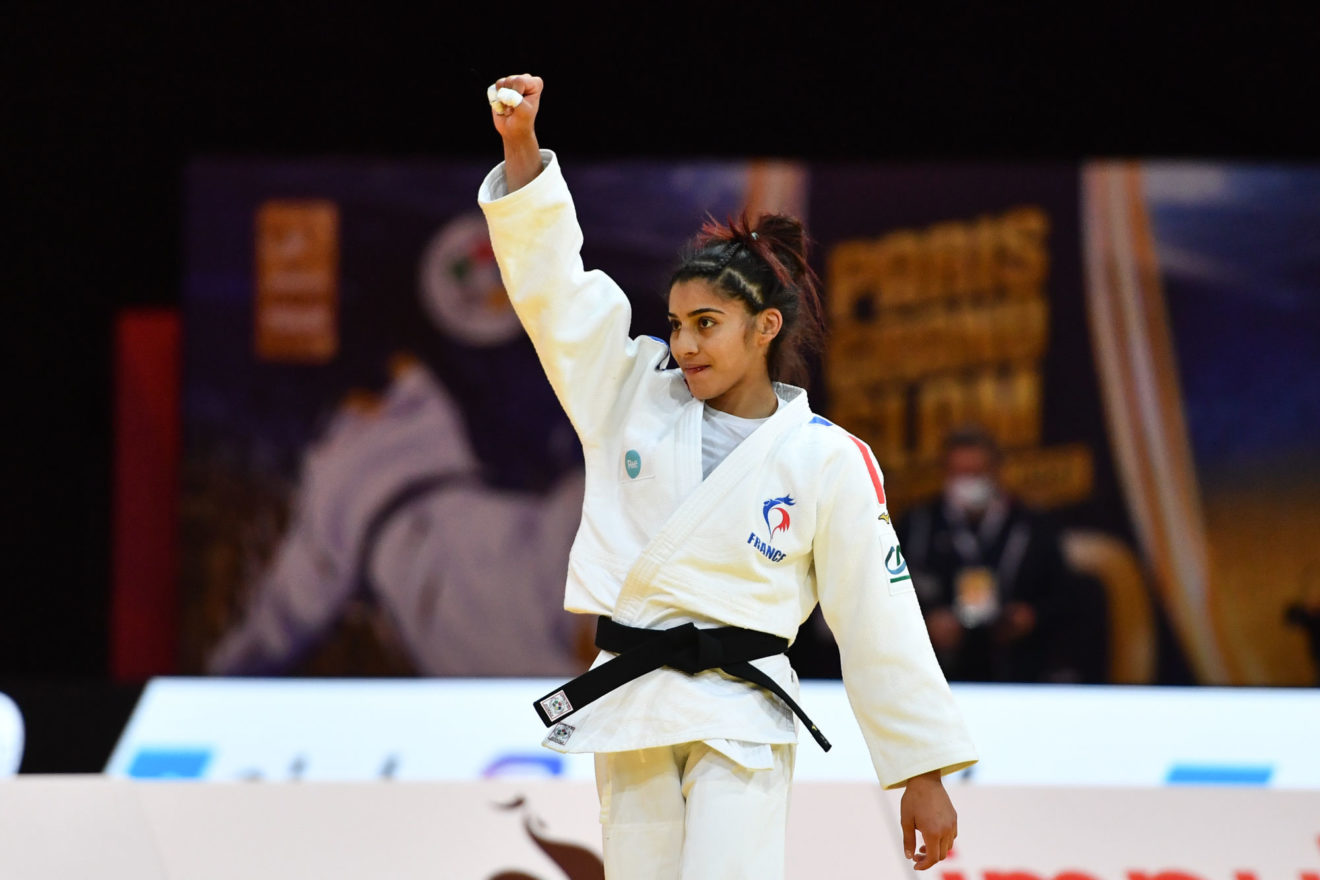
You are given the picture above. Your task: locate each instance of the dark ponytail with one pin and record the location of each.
(764, 265)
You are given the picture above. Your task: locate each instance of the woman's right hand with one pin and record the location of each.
(519, 122)
(522, 154)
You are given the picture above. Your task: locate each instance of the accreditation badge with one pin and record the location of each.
(976, 596)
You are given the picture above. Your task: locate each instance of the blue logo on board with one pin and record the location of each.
(169, 763)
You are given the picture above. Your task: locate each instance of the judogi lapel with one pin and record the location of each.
(709, 495)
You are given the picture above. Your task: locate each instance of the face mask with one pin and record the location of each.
(971, 493)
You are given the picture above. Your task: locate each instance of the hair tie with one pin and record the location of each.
(754, 236)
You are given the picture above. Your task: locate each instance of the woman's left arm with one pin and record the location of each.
(898, 692)
(912, 727)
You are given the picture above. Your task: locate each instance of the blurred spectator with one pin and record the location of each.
(990, 574)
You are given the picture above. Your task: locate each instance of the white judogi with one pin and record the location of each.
(794, 515)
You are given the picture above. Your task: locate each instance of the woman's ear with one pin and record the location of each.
(768, 324)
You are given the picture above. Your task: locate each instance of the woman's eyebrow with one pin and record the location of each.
(695, 312)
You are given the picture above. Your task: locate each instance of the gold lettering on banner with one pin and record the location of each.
(937, 327)
(1026, 258)
(1007, 402)
(1051, 477)
(297, 281)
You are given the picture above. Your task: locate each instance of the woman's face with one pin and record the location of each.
(720, 346)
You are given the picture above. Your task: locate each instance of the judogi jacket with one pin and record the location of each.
(795, 515)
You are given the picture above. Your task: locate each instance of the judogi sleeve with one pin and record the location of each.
(894, 683)
(578, 320)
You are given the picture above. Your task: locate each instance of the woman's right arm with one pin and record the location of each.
(579, 321)
(517, 127)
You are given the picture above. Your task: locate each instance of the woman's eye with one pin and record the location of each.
(706, 322)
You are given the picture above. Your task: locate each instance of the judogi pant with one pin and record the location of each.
(689, 812)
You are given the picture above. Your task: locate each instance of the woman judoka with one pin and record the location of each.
(718, 511)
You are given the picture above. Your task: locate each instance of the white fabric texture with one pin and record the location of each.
(690, 812)
(794, 515)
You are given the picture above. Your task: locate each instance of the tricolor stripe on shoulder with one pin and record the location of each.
(871, 467)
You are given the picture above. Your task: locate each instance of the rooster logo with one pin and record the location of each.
(779, 507)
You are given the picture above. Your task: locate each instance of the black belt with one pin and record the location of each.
(686, 648)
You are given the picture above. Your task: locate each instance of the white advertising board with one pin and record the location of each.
(468, 729)
(547, 830)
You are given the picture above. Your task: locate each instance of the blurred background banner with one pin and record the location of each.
(956, 296)
(1205, 313)
(378, 480)
(377, 477)
(1238, 262)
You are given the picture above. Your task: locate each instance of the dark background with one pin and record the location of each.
(105, 106)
